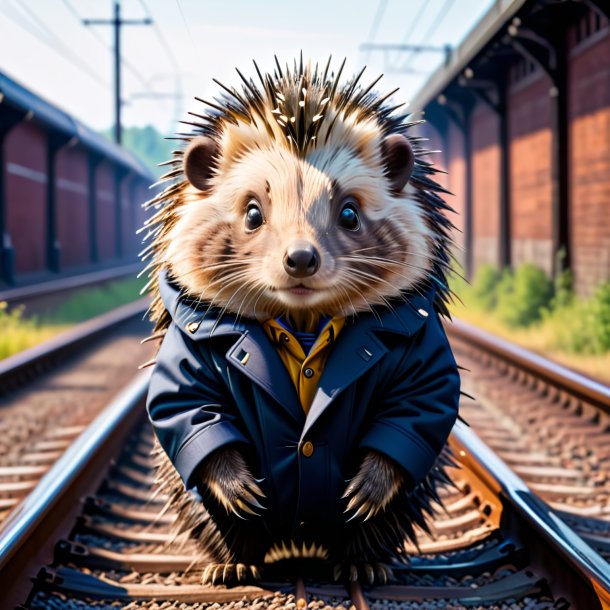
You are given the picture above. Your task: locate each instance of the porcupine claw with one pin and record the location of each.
(228, 477)
(244, 506)
(353, 573)
(365, 505)
(376, 483)
(361, 510)
(216, 573)
(337, 571)
(372, 573)
(369, 572)
(254, 490)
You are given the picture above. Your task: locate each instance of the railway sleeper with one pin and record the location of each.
(79, 554)
(86, 525)
(69, 581)
(68, 552)
(97, 506)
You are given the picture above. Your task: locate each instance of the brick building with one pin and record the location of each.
(70, 199)
(522, 113)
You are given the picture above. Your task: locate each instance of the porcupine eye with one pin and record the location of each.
(348, 218)
(254, 216)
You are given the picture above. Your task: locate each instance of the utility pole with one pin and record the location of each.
(117, 22)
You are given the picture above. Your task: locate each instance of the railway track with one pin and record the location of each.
(51, 393)
(42, 296)
(549, 424)
(496, 545)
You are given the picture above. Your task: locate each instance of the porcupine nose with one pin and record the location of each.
(301, 259)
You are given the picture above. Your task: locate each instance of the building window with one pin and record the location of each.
(588, 25)
(521, 70)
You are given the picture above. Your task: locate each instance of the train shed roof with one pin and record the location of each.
(25, 101)
(477, 39)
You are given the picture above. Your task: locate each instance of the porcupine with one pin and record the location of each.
(299, 159)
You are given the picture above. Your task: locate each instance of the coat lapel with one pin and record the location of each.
(256, 357)
(353, 355)
(358, 349)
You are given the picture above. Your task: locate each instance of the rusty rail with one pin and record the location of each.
(584, 560)
(29, 519)
(563, 378)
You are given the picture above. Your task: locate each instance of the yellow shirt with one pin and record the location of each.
(304, 369)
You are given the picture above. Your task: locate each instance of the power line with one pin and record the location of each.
(160, 36)
(134, 71)
(440, 16)
(381, 7)
(178, 94)
(45, 35)
(416, 20)
(186, 25)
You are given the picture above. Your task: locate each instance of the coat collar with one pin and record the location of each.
(358, 348)
(203, 322)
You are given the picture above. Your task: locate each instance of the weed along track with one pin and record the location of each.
(491, 546)
(51, 393)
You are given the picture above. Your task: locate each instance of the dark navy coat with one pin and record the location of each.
(390, 384)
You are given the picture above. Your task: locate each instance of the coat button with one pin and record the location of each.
(192, 327)
(308, 373)
(307, 449)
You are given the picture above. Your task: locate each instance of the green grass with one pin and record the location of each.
(92, 302)
(526, 307)
(18, 331)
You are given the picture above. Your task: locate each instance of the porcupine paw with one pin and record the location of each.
(376, 483)
(370, 573)
(224, 573)
(228, 478)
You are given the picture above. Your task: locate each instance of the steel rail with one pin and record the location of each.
(582, 560)
(32, 291)
(571, 547)
(584, 388)
(28, 517)
(17, 367)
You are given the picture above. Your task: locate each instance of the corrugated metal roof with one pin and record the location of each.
(24, 100)
(482, 33)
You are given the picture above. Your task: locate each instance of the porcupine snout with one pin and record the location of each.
(301, 259)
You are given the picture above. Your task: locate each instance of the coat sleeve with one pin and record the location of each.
(415, 414)
(189, 406)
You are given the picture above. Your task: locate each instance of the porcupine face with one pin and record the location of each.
(268, 224)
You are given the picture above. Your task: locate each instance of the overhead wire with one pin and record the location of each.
(170, 55)
(30, 22)
(186, 25)
(440, 16)
(128, 65)
(381, 7)
(160, 36)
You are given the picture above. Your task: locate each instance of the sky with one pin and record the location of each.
(45, 47)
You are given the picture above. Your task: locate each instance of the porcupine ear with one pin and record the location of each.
(199, 162)
(398, 159)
